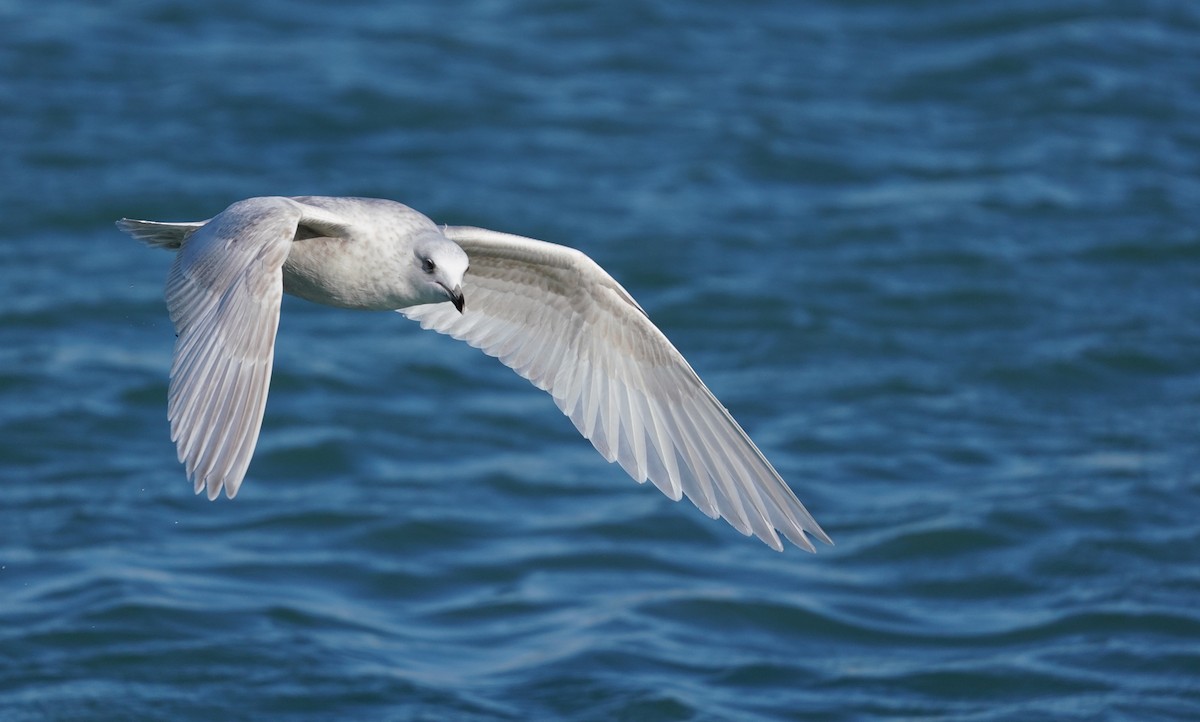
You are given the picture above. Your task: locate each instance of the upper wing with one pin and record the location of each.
(223, 293)
(559, 320)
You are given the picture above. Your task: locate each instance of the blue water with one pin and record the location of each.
(942, 261)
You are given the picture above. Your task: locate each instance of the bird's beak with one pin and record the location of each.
(456, 297)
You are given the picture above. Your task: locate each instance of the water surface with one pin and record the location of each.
(940, 260)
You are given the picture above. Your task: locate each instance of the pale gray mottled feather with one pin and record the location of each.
(556, 318)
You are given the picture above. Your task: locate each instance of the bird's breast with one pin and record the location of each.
(343, 273)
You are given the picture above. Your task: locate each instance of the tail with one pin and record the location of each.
(159, 235)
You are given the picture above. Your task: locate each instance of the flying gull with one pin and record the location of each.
(547, 311)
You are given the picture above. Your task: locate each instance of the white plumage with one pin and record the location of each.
(547, 311)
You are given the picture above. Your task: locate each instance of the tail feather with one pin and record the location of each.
(159, 235)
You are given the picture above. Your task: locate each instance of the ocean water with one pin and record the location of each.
(941, 259)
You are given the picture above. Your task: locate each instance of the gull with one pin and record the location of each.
(548, 312)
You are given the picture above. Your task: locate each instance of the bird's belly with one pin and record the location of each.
(330, 271)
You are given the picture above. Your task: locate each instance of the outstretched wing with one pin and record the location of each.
(560, 321)
(223, 294)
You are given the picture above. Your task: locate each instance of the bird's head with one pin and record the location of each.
(441, 265)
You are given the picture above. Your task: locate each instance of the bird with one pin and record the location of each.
(547, 311)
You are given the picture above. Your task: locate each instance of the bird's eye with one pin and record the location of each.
(428, 265)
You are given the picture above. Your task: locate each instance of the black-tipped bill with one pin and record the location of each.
(456, 297)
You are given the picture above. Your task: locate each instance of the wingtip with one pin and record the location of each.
(816, 532)
(800, 537)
